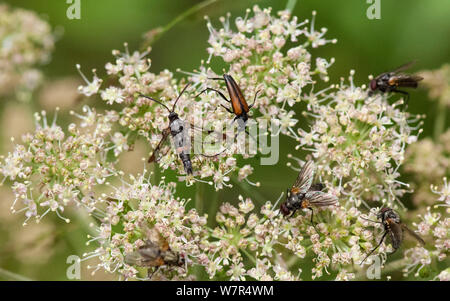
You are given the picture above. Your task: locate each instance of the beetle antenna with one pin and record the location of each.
(182, 91)
(157, 101)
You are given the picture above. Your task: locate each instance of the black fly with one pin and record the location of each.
(391, 81)
(305, 194)
(394, 227)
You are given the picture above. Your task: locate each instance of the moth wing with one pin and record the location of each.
(413, 234)
(305, 177)
(321, 199)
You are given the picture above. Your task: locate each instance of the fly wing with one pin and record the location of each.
(305, 177)
(381, 75)
(147, 256)
(405, 80)
(413, 234)
(404, 67)
(153, 156)
(396, 234)
(321, 199)
(133, 258)
(150, 251)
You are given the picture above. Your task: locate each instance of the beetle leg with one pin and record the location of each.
(217, 91)
(229, 111)
(246, 131)
(254, 99)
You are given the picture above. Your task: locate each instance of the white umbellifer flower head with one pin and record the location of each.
(358, 143)
(52, 170)
(158, 219)
(27, 41)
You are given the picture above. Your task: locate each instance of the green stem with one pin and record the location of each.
(161, 31)
(248, 255)
(199, 196)
(7, 275)
(213, 208)
(254, 194)
(439, 123)
(290, 5)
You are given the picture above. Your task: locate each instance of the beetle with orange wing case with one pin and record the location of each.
(239, 106)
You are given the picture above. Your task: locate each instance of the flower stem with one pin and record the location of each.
(254, 194)
(199, 196)
(290, 5)
(7, 275)
(248, 255)
(439, 123)
(159, 32)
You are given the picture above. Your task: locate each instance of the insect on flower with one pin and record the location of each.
(394, 227)
(178, 131)
(390, 81)
(304, 194)
(239, 105)
(155, 253)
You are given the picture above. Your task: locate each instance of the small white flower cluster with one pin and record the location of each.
(137, 213)
(51, 169)
(436, 225)
(258, 61)
(275, 245)
(358, 143)
(427, 161)
(438, 83)
(27, 41)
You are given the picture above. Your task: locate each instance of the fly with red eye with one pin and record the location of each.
(390, 81)
(305, 194)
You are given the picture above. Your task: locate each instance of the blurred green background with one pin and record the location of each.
(407, 30)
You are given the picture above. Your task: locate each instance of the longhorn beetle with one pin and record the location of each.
(239, 106)
(178, 131)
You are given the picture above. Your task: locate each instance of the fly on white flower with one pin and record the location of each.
(305, 194)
